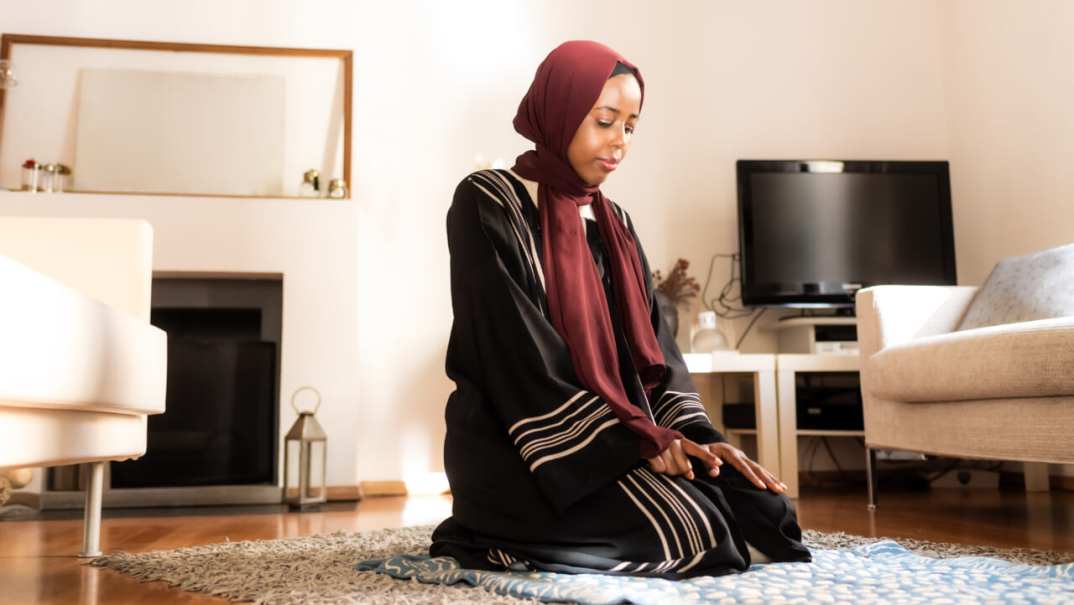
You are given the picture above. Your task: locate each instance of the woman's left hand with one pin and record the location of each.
(755, 473)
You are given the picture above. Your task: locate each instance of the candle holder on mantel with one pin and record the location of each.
(309, 440)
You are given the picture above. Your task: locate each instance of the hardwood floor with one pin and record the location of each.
(37, 563)
(1001, 518)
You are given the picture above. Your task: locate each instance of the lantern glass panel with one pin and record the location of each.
(308, 483)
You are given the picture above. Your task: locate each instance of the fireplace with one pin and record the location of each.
(218, 440)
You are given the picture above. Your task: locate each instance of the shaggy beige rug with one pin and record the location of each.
(320, 569)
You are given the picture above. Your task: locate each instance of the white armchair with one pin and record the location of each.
(80, 365)
(1001, 392)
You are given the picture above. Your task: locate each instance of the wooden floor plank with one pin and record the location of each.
(37, 565)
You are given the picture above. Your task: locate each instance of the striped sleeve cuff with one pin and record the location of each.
(676, 410)
(564, 431)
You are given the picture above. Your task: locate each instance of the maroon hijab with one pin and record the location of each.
(566, 86)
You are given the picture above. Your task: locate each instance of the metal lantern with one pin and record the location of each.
(307, 439)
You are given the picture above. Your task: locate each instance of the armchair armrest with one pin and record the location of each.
(889, 315)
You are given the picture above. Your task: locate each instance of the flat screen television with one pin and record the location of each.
(813, 232)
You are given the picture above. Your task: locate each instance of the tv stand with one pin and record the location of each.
(847, 320)
(809, 344)
(787, 366)
(837, 313)
(815, 335)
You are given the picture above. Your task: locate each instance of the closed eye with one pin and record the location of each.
(609, 124)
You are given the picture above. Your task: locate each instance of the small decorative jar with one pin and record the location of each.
(30, 174)
(7, 75)
(59, 178)
(311, 184)
(337, 188)
(48, 175)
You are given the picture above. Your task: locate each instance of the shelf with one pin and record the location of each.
(804, 433)
(729, 361)
(813, 321)
(742, 431)
(711, 363)
(804, 362)
(826, 433)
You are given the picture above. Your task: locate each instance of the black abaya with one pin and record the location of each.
(542, 473)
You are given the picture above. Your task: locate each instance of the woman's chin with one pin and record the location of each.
(595, 180)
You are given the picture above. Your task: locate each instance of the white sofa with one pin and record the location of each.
(1003, 392)
(80, 365)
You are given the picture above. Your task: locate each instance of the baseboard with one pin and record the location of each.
(1015, 479)
(336, 493)
(1007, 479)
(31, 499)
(375, 489)
(344, 493)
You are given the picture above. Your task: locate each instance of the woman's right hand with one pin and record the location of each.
(675, 460)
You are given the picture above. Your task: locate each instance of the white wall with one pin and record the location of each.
(438, 82)
(1010, 93)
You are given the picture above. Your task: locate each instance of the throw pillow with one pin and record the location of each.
(1024, 288)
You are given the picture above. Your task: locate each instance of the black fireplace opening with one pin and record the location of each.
(220, 423)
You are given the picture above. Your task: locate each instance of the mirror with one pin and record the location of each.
(91, 115)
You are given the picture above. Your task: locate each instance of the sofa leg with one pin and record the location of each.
(91, 526)
(1036, 475)
(871, 477)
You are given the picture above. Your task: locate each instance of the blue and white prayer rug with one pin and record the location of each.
(881, 572)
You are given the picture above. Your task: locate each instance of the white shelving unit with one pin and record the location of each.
(788, 365)
(775, 398)
(763, 368)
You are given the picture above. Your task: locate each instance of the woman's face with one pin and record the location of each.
(603, 138)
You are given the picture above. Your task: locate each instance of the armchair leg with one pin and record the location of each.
(871, 477)
(91, 527)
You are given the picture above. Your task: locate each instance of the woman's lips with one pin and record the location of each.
(608, 165)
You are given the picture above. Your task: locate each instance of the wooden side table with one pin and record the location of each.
(763, 368)
(787, 365)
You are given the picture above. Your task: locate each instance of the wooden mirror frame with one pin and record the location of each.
(346, 56)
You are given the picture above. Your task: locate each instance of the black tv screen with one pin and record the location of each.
(813, 232)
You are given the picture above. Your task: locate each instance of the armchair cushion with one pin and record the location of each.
(1025, 359)
(1025, 288)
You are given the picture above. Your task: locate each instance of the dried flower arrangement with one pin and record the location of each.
(678, 287)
